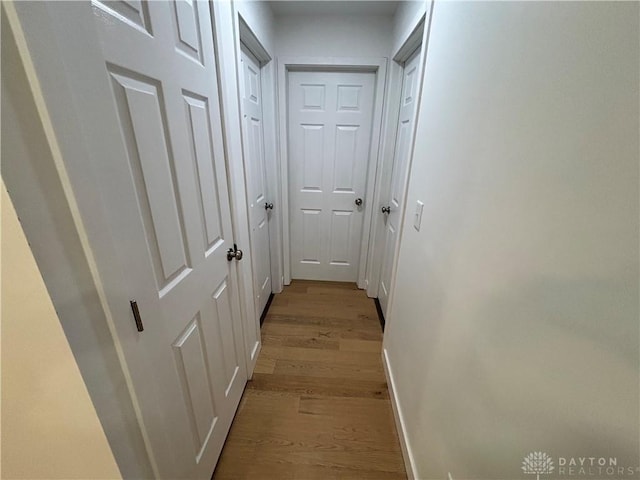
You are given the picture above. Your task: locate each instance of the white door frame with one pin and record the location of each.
(416, 39)
(358, 64)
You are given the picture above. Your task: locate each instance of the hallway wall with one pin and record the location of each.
(333, 35)
(260, 20)
(514, 326)
(405, 20)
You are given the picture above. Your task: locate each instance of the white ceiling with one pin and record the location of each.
(333, 7)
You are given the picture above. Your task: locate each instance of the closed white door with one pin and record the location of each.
(168, 206)
(330, 121)
(395, 200)
(260, 205)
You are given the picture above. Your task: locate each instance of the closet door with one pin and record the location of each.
(330, 121)
(153, 130)
(260, 203)
(392, 210)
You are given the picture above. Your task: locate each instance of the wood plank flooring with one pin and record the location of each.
(317, 406)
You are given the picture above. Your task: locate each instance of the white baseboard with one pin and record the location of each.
(409, 462)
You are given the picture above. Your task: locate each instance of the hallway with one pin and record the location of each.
(173, 165)
(318, 404)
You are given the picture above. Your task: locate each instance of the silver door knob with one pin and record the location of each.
(386, 209)
(234, 253)
(268, 206)
(358, 201)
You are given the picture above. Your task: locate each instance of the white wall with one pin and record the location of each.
(405, 20)
(333, 35)
(258, 16)
(514, 325)
(49, 425)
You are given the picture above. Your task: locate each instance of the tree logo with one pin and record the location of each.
(537, 463)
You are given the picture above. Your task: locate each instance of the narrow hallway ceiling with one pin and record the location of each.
(333, 7)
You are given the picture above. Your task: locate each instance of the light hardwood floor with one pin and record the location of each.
(317, 406)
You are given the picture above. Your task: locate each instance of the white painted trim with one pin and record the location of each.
(251, 40)
(360, 64)
(407, 453)
(272, 161)
(394, 91)
(413, 41)
(283, 120)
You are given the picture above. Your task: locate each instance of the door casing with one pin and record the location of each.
(357, 64)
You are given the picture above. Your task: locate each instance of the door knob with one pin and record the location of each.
(234, 253)
(386, 209)
(358, 201)
(268, 206)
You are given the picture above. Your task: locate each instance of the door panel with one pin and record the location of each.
(341, 226)
(188, 39)
(192, 369)
(222, 310)
(256, 177)
(143, 127)
(199, 131)
(330, 120)
(166, 196)
(311, 244)
(133, 12)
(395, 199)
(312, 157)
(344, 164)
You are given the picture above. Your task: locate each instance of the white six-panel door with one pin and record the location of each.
(172, 228)
(330, 121)
(256, 175)
(396, 197)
